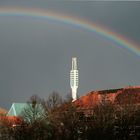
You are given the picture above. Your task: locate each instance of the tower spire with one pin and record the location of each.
(74, 63)
(74, 78)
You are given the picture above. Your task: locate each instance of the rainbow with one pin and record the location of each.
(121, 41)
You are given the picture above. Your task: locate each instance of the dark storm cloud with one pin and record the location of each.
(35, 55)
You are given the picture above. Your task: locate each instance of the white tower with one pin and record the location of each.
(74, 78)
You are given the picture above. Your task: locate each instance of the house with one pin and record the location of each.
(17, 109)
(26, 111)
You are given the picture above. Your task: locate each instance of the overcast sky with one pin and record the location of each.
(35, 55)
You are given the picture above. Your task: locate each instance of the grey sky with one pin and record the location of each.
(35, 55)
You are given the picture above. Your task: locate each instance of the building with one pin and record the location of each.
(26, 111)
(74, 79)
(17, 109)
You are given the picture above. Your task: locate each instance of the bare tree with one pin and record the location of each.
(54, 100)
(36, 124)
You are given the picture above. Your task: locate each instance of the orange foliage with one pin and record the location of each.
(115, 96)
(10, 120)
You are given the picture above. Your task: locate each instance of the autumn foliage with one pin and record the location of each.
(100, 115)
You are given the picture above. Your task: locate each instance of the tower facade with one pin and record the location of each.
(74, 78)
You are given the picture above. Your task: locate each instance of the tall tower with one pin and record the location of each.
(74, 78)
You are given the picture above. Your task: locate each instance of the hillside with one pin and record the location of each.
(127, 95)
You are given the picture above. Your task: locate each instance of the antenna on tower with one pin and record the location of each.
(74, 78)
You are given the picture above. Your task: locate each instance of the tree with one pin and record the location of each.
(127, 121)
(33, 110)
(35, 124)
(66, 121)
(54, 100)
(102, 122)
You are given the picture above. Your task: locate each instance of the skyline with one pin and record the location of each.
(36, 52)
